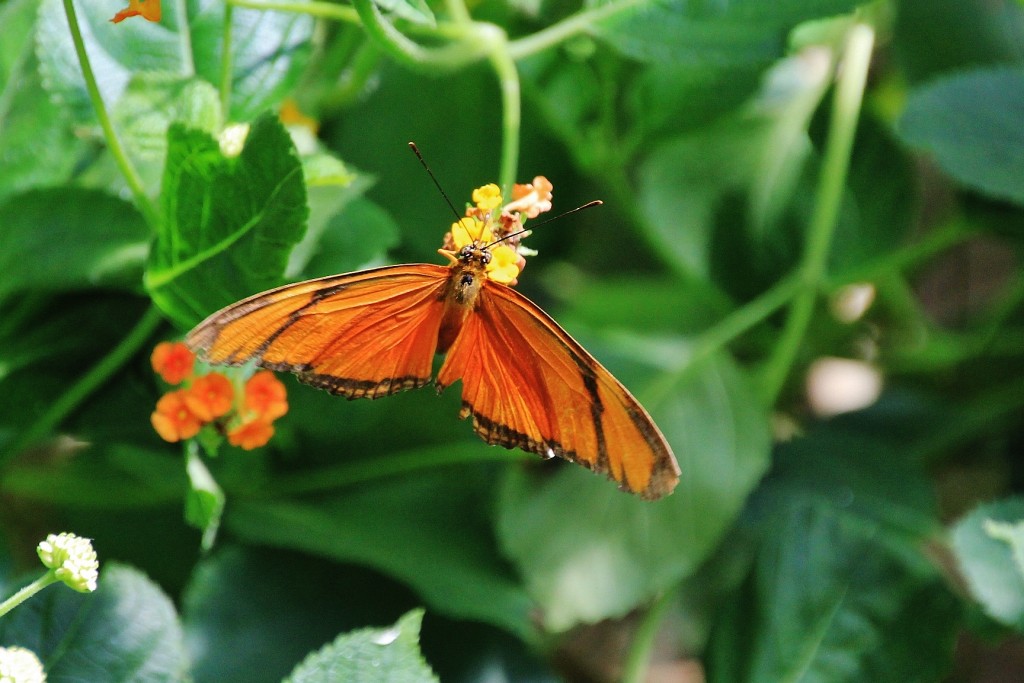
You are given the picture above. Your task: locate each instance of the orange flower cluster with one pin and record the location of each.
(246, 419)
(147, 9)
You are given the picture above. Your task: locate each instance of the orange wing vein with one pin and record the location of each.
(528, 384)
(364, 334)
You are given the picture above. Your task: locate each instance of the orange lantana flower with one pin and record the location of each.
(147, 9)
(265, 395)
(252, 434)
(533, 198)
(210, 396)
(173, 361)
(173, 420)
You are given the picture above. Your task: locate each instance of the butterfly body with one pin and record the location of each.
(525, 381)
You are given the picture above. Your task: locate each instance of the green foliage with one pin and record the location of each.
(368, 654)
(969, 123)
(988, 549)
(126, 630)
(756, 181)
(228, 222)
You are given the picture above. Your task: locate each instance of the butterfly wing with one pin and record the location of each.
(527, 383)
(364, 334)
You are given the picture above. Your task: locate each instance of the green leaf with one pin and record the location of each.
(970, 122)
(933, 37)
(103, 241)
(126, 630)
(114, 476)
(727, 32)
(244, 604)
(987, 558)
(590, 552)
(152, 101)
(839, 577)
(371, 654)
(429, 530)
(204, 501)
(229, 223)
(37, 147)
(330, 187)
(757, 153)
(269, 53)
(883, 197)
(825, 602)
(269, 50)
(357, 237)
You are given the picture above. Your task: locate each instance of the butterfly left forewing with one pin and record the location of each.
(528, 384)
(363, 334)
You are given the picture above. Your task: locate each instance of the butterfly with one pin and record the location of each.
(525, 381)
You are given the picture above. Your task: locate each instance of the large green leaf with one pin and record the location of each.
(935, 37)
(236, 611)
(152, 101)
(839, 530)
(370, 655)
(429, 530)
(970, 122)
(986, 546)
(269, 50)
(36, 144)
(70, 238)
(126, 630)
(589, 552)
(826, 603)
(229, 222)
(724, 32)
(757, 154)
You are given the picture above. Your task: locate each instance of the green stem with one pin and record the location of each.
(28, 591)
(226, 67)
(835, 165)
(904, 258)
(511, 106)
(717, 337)
(398, 464)
(458, 12)
(185, 39)
(639, 654)
(86, 385)
(322, 10)
(413, 55)
(131, 176)
(579, 23)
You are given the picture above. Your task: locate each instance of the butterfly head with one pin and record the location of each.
(488, 239)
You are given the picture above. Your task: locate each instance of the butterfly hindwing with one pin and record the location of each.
(364, 334)
(528, 384)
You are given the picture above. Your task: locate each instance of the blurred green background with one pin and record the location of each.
(807, 268)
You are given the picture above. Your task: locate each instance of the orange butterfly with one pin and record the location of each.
(525, 381)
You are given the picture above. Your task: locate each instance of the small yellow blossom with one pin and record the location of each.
(488, 197)
(72, 559)
(18, 665)
(469, 230)
(504, 265)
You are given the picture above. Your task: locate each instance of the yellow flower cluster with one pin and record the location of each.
(487, 221)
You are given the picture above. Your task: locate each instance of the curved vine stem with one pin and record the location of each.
(831, 184)
(124, 164)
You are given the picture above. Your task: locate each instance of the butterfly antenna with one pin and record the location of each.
(596, 202)
(416, 151)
